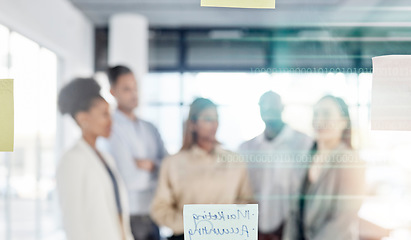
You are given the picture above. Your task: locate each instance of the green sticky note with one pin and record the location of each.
(6, 115)
(239, 3)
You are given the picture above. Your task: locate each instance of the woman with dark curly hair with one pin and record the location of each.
(92, 196)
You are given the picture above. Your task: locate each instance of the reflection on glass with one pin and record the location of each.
(237, 95)
(31, 213)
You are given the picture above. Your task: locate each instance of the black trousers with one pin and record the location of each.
(143, 228)
(276, 235)
(176, 237)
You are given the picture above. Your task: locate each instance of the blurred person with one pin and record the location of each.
(332, 189)
(138, 150)
(199, 173)
(270, 177)
(91, 193)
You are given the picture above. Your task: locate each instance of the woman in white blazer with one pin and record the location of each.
(92, 196)
(332, 189)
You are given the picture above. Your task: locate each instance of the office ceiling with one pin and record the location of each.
(288, 13)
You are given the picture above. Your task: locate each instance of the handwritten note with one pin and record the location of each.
(220, 222)
(6, 115)
(391, 93)
(239, 3)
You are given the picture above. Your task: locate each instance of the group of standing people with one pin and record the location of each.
(119, 183)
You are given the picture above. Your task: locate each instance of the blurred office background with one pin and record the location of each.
(302, 50)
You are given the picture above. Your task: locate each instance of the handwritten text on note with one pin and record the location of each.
(220, 222)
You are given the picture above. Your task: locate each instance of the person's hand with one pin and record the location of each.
(146, 164)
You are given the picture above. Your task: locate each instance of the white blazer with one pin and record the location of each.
(87, 196)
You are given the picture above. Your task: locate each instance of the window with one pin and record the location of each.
(27, 174)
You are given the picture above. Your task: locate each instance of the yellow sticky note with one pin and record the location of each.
(6, 115)
(239, 3)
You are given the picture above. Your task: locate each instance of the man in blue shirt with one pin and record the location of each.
(274, 174)
(138, 149)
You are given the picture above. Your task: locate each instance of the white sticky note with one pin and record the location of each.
(6, 115)
(391, 93)
(221, 222)
(239, 3)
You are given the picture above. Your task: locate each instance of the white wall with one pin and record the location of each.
(62, 28)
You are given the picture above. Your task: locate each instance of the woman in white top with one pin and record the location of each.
(92, 196)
